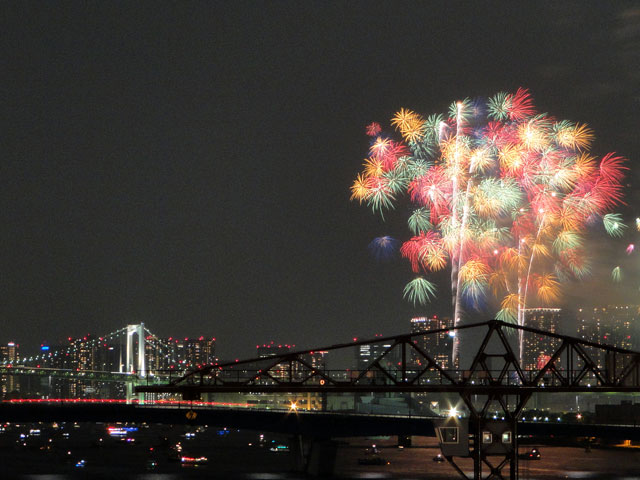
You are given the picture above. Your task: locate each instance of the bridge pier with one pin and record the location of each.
(132, 395)
(315, 457)
(494, 443)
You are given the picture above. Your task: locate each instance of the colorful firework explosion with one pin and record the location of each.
(501, 194)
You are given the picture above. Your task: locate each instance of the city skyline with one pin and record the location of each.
(595, 323)
(196, 178)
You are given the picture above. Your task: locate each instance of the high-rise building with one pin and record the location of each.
(317, 359)
(196, 352)
(611, 325)
(618, 330)
(436, 345)
(159, 354)
(9, 355)
(588, 324)
(368, 352)
(538, 349)
(282, 370)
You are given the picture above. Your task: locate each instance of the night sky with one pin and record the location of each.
(188, 164)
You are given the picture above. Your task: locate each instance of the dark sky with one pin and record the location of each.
(188, 164)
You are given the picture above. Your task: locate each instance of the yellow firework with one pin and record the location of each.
(455, 152)
(548, 288)
(511, 157)
(473, 271)
(570, 219)
(578, 137)
(410, 125)
(433, 257)
(540, 250)
(511, 302)
(513, 260)
(404, 118)
(498, 282)
(380, 147)
(584, 166)
(533, 137)
(359, 189)
(485, 205)
(373, 167)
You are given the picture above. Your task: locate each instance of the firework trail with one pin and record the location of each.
(501, 194)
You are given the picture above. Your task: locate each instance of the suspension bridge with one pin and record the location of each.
(85, 360)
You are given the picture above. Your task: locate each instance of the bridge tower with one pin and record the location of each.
(131, 365)
(139, 367)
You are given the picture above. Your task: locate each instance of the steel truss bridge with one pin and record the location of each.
(495, 380)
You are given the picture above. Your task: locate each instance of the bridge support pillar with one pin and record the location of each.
(313, 456)
(490, 440)
(131, 394)
(299, 452)
(495, 442)
(322, 458)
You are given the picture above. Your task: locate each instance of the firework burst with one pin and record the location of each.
(501, 193)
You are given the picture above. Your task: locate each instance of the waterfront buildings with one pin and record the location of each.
(8, 355)
(612, 324)
(368, 352)
(438, 346)
(76, 367)
(537, 349)
(615, 325)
